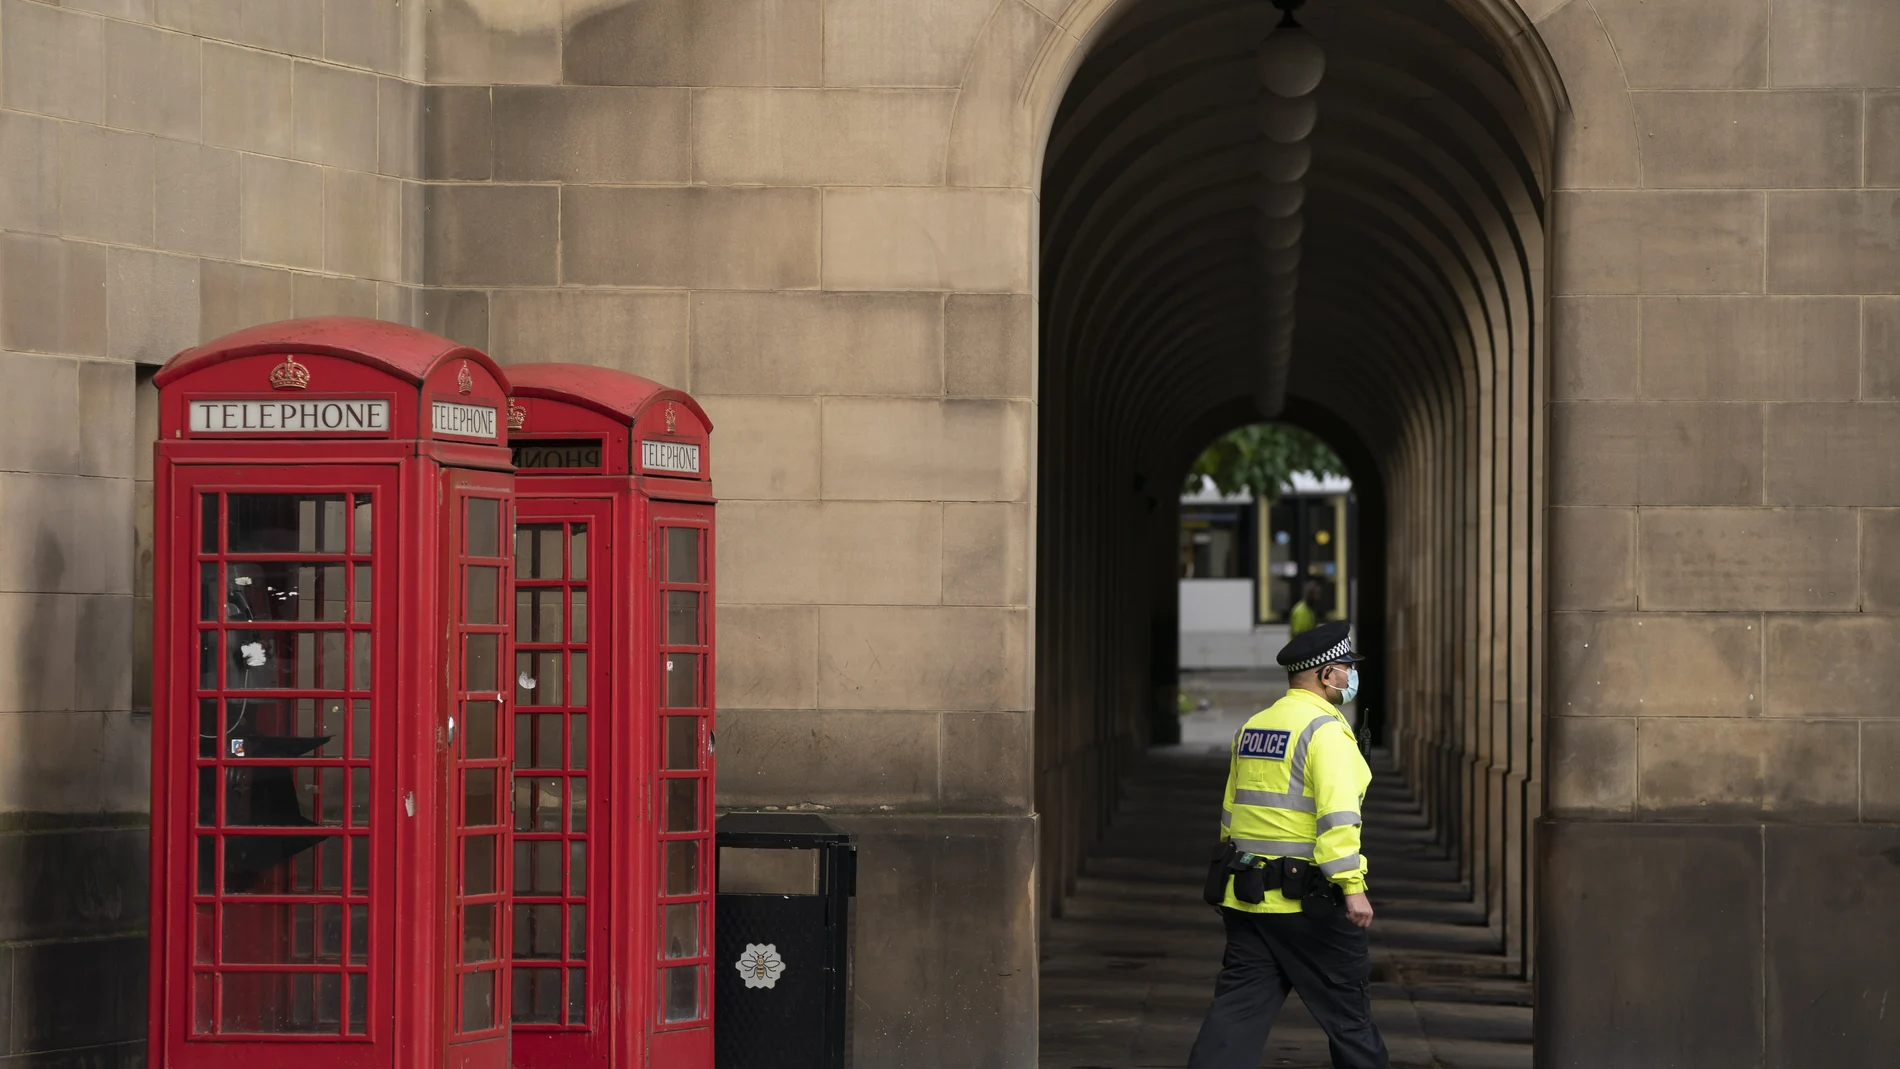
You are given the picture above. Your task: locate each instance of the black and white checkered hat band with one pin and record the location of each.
(1341, 649)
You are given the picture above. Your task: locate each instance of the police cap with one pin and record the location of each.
(1325, 644)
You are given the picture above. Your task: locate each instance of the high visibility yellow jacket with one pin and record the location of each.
(1295, 785)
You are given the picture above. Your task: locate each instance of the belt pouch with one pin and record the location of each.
(1250, 884)
(1215, 891)
(1293, 875)
(1322, 897)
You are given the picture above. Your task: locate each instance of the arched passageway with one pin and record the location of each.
(1416, 351)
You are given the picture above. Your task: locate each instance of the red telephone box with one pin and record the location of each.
(330, 746)
(614, 649)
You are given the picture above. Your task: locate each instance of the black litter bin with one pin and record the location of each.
(782, 978)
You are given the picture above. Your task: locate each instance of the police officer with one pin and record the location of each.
(1288, 876)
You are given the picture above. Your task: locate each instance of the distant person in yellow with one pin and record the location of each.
(1306, 612)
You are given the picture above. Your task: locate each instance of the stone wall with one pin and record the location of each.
(1723, 753)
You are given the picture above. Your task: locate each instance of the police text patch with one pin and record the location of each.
(1260, 742)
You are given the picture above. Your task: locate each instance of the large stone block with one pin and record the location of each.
(985, 554)
(362, 224)
(768, 657)
(105, 623)
(593, 134)
(1833, 666)
(458, 314)
(820, 136)
(1829, 945)
(281, 220)
(105, 180)
(491, 235)
(1835, 42)
(1697, 887)
(1595, 345)
(838, 759)
(1592, 558)
(988, 764)
(336, 116)
(764, 447)
(73, 884)
(78, 538)
(1834, 242)
(29, 173)
(1832, 454)
(1649, 453)
(699, 237)
(1748, 559)
(69, 994)
(1752, 140)
(993, 141)
(329, 295)
(152, 80)
(248, 100)
(903, 450)
(51, 762)
(1592, 767)
(1655, 664)
(364, 33)
(481, 41)
(1880, 560)
(151, 305)
(37, 633)
(944, 899)
(234, 296)
(1880, 360)
(1701, 44)
(1880, 771)
(399, 128)
(835, 552)
(870, 42)
(195, 199)
(1611, 241)
(806, 343)
(39, 421)
(641, 332)
(1751, 348)
(987, 344)
(52, 295)
(1597, 145)
(52, 62)
(114, 442)
(696, 42)
(927, 239)
(922, 657)
(1747, 770)
(458, 132)
(1883, 139)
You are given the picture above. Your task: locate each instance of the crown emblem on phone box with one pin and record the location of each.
(289, 375)
(517, 416)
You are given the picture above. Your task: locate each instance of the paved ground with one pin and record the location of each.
(1129, 969)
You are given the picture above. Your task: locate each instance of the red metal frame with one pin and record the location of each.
(362, 400)
(557, 408)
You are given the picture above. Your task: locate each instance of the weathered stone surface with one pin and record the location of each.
(1880, 560)
(52, 295)
(1751, 140)
(830, 758)
(643, 332)
(336, 116)
(1648, 453)
(29, 173)
(364, 33)
(1880, 361)
(1751, 348)
(1834, 242)
(1766, 770)
(329, 295)
(458, 132)
(1659, 242)
(1599, 148)
(868, 42)
(1880, 771)
(1835, 42)
(1655, 664)
(697, 42)
(1833, 666)
(922, 657)
(399, 128)
(986, 763)
(151, 305)
(105, 179)
(1592, 557)
(768, 446)
(1883, 139)
(281, 220)
(818, 343)
(904, 450)
(1747, 559)
(195, 195)
(39, 425)
(1815, 935)
(458, 314)
(927, 239)
(248, 100)
(768, 657)
(993, 140)
(835, 552)
(1596, 348)
(52, 62)
(986, 344)
(1710, 44)
(233, 296)
(1832, 454)
(491, 235)
(593, 134)
(699, 237)
(362, 224)
(1592, 766)
(152, 80)
(819, 136)
(38, 629)
(504, 44)
(985, 554)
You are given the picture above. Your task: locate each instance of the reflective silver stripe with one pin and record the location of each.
(1339, 865)
(1275, 847)
(1296, 778)
(1227, 817)
(1299, 803)
(1338, 820)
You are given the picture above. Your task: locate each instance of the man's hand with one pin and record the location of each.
(1359, 910)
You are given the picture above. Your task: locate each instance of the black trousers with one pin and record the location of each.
(1325, 959)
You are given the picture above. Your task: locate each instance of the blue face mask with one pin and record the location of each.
(1352, 686)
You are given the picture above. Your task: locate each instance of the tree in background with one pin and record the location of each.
(1261, 459)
